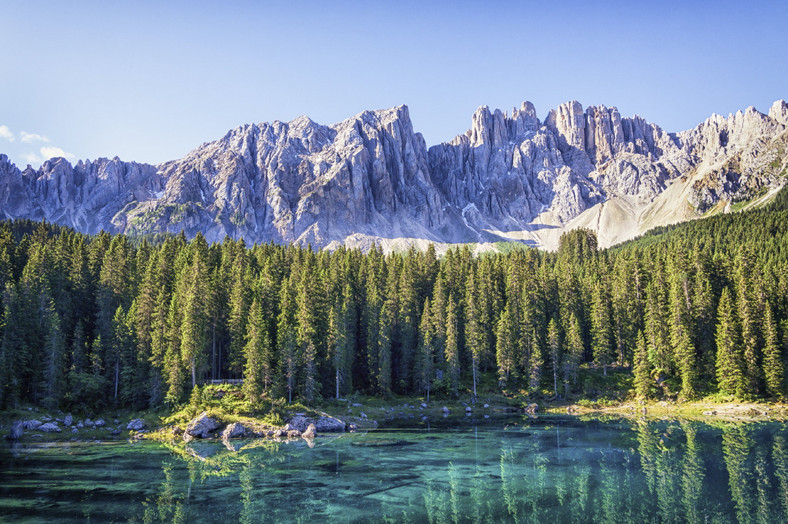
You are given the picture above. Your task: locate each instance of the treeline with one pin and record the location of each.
(98, 320)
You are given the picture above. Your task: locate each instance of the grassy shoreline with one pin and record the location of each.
(369, 413)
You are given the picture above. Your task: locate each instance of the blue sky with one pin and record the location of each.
(149, 81)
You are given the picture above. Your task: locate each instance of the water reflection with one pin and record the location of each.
(542, 470)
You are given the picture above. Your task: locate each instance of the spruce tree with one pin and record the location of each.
(642, 369)
(773, 365)
(730, 376)
(257, 371)
(452, 350)
(425, 356)
(554, 348)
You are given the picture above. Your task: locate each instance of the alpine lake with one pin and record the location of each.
(503, 469)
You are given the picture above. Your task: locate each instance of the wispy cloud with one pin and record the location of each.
(32, 137)
(6, 133)
(32, 158)
(51, 152)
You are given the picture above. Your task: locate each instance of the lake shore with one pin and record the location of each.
(371, 413)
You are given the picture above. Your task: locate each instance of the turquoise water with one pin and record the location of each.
(512, 470)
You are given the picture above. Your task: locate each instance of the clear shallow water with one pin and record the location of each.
(540, 470)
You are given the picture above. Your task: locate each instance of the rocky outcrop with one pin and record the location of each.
(371, 178)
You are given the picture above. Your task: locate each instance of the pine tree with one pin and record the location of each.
(286, 339)
(425, 356)
(642, 369)
(773, 366)
(257, 372)
(554, 349)
(452, 350)
(574, 350)
(601, 331)
(730, 377)
(506, 339)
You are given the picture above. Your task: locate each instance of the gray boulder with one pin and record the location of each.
(68, 420)
(234, 430)
(49, 427)
(99, 423)
(310, 432)
(31, 424)
(326, 424)
(298, 423)
(136, 425)
(201, 426)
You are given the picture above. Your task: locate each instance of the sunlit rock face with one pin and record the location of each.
(371, 179)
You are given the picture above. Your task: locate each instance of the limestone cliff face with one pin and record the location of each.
(371, 178)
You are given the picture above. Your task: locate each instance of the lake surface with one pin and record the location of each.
(510, 470)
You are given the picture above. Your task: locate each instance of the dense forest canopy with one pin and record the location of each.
(694, 309)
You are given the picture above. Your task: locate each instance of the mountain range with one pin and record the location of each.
(372, 179)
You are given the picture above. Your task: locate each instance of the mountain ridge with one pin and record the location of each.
(372, 179)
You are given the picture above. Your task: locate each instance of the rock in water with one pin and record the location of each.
(298, 423)
(309, 432)
(532, 408)
(201, 426)
(136, 425)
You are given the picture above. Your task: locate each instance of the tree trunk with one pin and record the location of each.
(117, 372)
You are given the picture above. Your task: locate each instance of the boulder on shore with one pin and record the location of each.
(31, 424)
(328, 424)
(234, 430)
(68, 420)
(136, 425)
(201, 426)
(49, 427)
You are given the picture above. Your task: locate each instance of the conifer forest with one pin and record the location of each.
(685, 311)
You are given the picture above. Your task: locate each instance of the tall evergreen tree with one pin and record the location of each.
(773, 364)
(730, 376)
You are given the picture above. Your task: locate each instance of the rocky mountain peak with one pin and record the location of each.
(371, 178)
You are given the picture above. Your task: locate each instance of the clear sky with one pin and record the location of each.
(151, 80)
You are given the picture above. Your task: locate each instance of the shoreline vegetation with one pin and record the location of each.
(363, 413)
